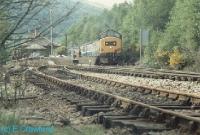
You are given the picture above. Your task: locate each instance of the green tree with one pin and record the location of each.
(183, 31)
(153, 15)
(184, 27)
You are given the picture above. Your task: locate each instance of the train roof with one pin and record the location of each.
(110, 32)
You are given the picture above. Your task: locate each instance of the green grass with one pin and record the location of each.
(7, 120)
(85, 130)
(93, 130)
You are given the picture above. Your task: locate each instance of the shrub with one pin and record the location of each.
(176, 59)
(162, 58)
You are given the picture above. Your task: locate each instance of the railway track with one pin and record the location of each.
(142, 72)
(129, 71)
(186, 98)
(143, 111)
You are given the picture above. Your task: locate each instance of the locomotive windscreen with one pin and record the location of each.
(110, 43)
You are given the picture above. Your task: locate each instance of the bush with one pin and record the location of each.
(173, 58)
(162, 58)
(176, 59)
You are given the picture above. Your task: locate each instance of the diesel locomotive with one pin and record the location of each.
(104, 51)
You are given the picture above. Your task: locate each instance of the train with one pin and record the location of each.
(106, 50)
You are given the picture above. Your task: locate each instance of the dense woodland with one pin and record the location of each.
(174, 31)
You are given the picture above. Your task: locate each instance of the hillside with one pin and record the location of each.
(83, 9)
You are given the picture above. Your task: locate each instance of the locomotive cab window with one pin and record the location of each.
(111, 43)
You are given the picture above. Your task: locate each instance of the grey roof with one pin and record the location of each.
(35, 47)
(39, 44)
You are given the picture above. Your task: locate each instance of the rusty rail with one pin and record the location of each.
(148, 74)
(189, 98)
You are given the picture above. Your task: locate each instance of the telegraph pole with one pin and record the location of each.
(66, 38)
(51, 23)
(144, 41)
(141, 46)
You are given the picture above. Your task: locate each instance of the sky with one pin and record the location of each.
(107, 3)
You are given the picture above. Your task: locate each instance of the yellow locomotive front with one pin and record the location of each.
(110, 47)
